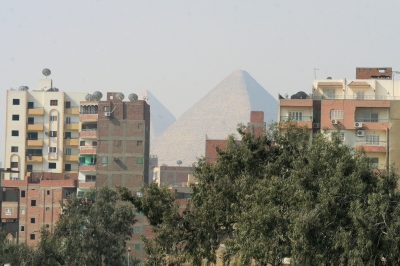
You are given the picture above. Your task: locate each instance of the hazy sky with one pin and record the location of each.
(179, 50)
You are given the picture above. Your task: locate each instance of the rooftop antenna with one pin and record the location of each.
(46, 72)
(179, 162)
(315, 73)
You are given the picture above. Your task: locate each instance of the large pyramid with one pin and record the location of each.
(216, 116)
(160, 117)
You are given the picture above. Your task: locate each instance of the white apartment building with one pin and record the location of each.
(41, 130)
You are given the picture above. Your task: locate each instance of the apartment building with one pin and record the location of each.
(64, 143)
(39, 124)
(365, 109)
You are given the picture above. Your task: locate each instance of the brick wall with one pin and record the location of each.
(367, 73)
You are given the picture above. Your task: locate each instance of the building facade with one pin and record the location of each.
(39, 126)
(363, 109)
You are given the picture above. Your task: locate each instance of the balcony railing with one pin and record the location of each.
(371, 143)
(370, 120)
(298, 119)
(70, 169)
(88, 129)
(354, 97)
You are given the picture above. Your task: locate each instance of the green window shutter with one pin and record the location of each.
(139, 160)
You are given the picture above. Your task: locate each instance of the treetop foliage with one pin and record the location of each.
(283, 194)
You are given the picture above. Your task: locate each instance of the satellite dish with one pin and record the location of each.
(97, 95)
(179, 162)
(88, 97)
(23, 88)
(120, 96)
(46, 72)
(133, 97)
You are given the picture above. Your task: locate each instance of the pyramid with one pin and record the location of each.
(160, 117)
(216, 116)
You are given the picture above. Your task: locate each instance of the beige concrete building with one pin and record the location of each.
(365, 110)
(41, 126)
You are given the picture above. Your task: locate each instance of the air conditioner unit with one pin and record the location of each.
(315, 125)
(360, 133)
(107, 113)
(334, 122)
(358, 125)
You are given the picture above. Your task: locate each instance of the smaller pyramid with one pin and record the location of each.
(160, 117)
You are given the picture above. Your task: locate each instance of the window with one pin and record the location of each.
(359, 95)
(48, 192)
(68, 151)
(375, 161)
(139, 143)
(32, 237)
(29, 167)
(68, 194)
(33, 220)
(14, 148)
(52, 165)
(68, 120)
(30, 105)
(67, 167)
(104, 159)
(15, 117)
(137, 246)
(67, 104)
(106, 108)
(139, 160)
(82, 143)
(47, 209)
(94, 143)
(329, 93)
(372, 139)
(295, 115)
(7, 211)
(336, 114)
(53, 118)
(52, 149)
(22, 211)
(33, 135)
(22, 228)
(53, 133)
(33, 202)
(47, 226)
(137, 229)
(90, 178)
(53, 102)
(15, 133)
(22, 193)
(31, 120)
(14, 164)
(341, 136)
(370, 117)
(82, 160)
(67, 135)
(15, 101)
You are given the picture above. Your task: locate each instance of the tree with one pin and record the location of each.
(93, 230)
(279, 195)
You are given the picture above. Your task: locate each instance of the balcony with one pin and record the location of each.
(34, 142)
(88, 133)
(36, 111)
(301, 120)
(34, 159)
(71, 142)
(71, 158)
(372, 146)
(72, 111)
(71, 126)
(87, 167)
(75, 170)
(88, 150)
(35, 126)
(88, 117)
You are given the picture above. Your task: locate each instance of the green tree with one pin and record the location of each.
(279, 195)
(93, 230)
